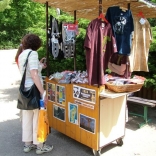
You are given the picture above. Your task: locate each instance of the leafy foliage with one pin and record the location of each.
(18, 21)
(4, 4)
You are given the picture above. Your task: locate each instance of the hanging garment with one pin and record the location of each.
(122, 25)
(69, 32)
(99, 45)
(60, 39)
(53, 37)
(140, 46)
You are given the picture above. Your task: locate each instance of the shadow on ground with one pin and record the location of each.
(11, 136)
(134, 121)
(9, 94)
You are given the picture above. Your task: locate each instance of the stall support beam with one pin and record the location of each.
(128, 5)
(100, 7)
(47, 51)
(75, 43)
(127, 63)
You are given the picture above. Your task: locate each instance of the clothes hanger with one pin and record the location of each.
(124, 9)
(122, 6)
(101, 16)
(140, 14)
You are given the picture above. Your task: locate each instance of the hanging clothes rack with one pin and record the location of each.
(83, 9)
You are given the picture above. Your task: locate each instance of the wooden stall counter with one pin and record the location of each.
(81, 112)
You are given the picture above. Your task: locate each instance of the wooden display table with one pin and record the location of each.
(83, 113)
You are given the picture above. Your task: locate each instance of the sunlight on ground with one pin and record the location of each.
(8, 69)
(8, 114)
(8, 82)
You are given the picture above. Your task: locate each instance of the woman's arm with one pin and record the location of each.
(36, 79)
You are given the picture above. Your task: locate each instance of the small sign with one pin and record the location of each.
(142, 21)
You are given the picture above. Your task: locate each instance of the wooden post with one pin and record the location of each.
(128, 5)
(127, 62)
(47, 51)
(100, 7)
(75, 43)
(100, 11)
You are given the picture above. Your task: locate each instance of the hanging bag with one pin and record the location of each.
(28, 99)
(43, 126)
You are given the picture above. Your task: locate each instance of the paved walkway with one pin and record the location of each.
(137, 142)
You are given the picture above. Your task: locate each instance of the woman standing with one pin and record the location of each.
(32, 43)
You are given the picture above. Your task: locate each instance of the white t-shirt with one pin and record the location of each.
(33, 63)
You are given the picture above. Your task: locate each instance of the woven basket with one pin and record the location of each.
(124, 88)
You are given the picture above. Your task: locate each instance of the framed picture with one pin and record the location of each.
(61, 97)
(73, 113)
(87, 123)
(59, 112)
(51, 91)
(85, 94)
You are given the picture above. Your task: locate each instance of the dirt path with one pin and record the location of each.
(137, 142)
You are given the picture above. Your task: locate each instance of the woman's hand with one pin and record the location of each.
(43, 63)
(45, 99)
(42, 60)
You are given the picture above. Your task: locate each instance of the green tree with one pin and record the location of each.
(4, 4)
(18, 21)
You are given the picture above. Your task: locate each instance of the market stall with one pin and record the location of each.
(90, 117)
(89, 113)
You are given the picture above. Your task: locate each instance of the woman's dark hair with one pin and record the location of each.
(19, 51)
(31, 41)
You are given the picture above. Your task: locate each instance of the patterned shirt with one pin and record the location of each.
(122, 26)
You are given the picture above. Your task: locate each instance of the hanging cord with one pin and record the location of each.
(100, 7)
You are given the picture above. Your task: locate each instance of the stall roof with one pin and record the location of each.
(89, 9)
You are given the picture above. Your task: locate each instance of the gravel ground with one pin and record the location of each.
(137, 142)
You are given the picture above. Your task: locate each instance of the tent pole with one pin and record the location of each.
(75, 43)
(47, 51)
(127, 62)
(100, 11)
(128, 5)
(100, 7)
